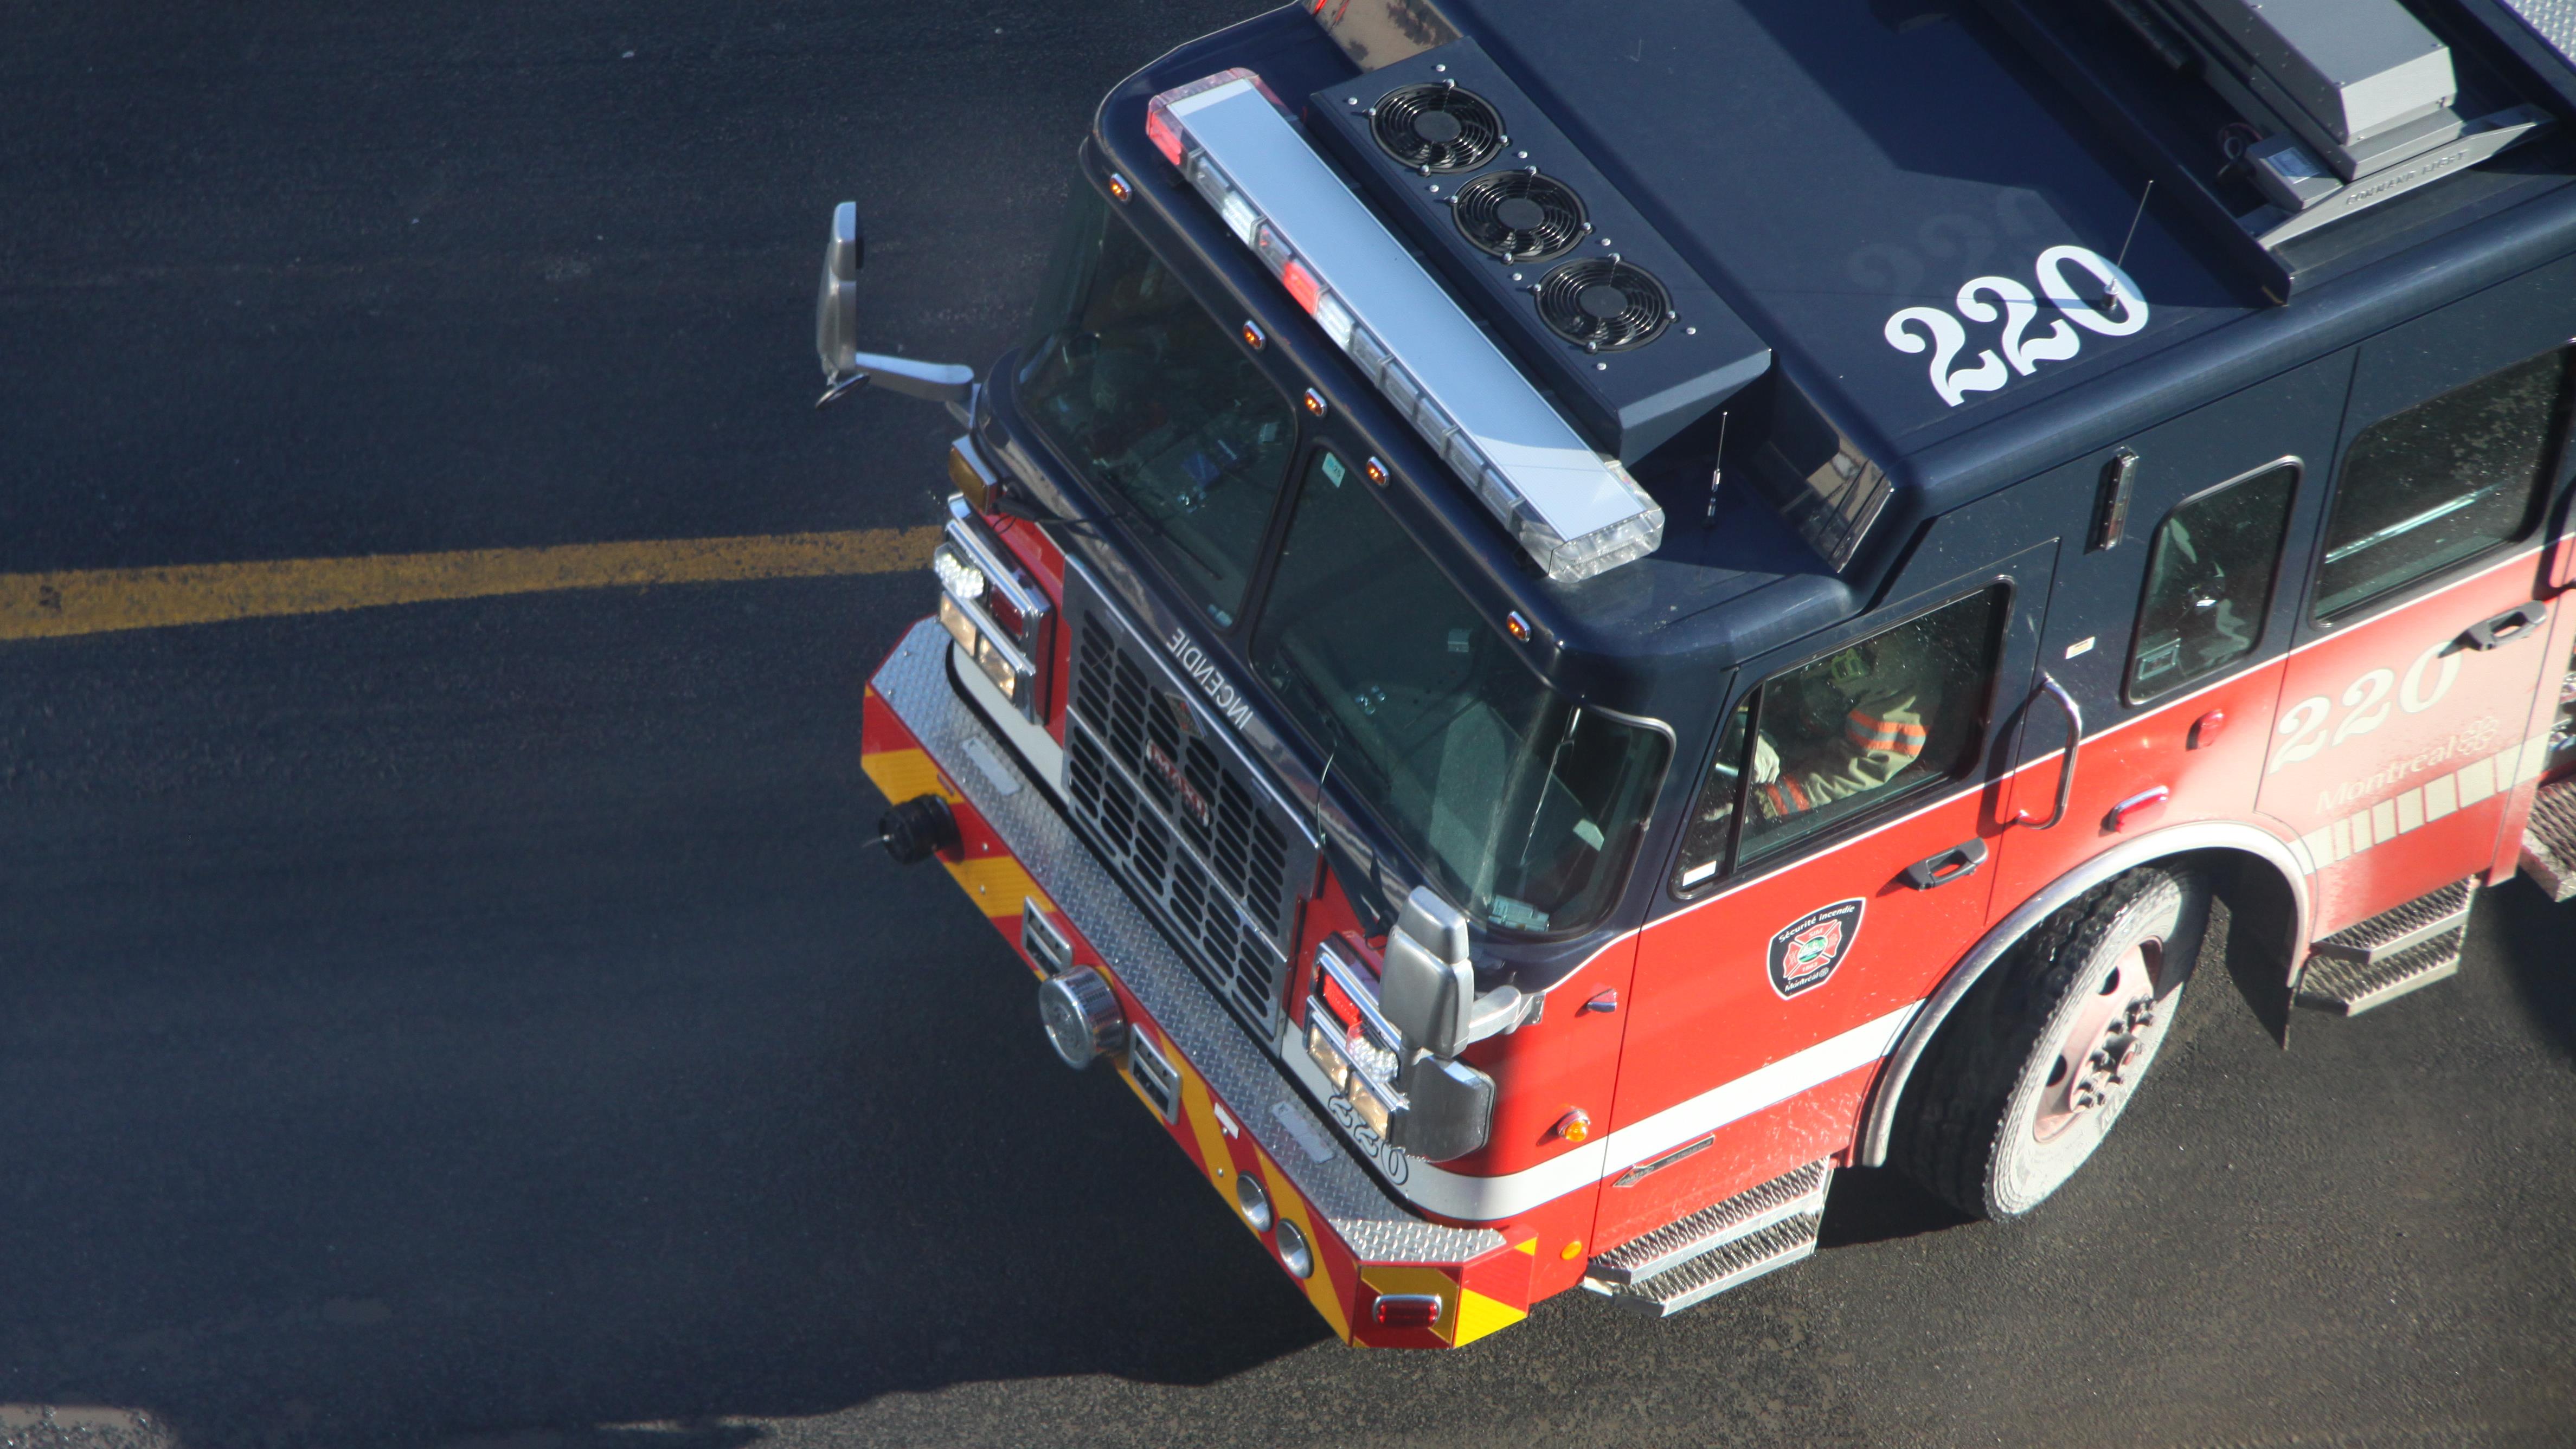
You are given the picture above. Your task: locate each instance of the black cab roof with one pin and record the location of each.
(1838, 169)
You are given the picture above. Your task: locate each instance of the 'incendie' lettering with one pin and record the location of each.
(1194, 662)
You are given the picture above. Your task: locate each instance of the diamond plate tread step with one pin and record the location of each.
(2353, 987)
(2549, 841)
(1712, 1273)
(2394, 932)
(1748, 1212)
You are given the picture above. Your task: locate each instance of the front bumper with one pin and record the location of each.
(1235, 1113)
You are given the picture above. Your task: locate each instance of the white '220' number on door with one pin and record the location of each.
(2366, 703)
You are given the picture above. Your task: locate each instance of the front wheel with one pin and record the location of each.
(2039, 1060)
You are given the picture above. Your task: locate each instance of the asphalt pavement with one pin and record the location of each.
(488, 1022)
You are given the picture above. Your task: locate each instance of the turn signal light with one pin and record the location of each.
(966, 474)
(1006, 613)
(1575, 1126)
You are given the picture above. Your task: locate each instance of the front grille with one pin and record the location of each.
(1171, 812)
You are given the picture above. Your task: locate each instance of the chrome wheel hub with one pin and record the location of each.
(2098, 1059)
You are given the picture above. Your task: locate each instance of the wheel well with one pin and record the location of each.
(2252, 874)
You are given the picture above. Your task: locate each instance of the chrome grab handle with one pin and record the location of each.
(2066, 768)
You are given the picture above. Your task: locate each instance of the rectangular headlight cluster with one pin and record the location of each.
(1354, 1047)
(1574, 511)
(992, 609)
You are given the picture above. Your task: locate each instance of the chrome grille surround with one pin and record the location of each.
(1177, 811)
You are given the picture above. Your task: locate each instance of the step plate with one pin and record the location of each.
(1712, 1273)
(2549, 842)
(2353, 987)
(2393, 933)
(1798, 1193)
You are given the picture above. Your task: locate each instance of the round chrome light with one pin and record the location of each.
(1255, 1202)
(1293, 1252)
(1082, 1018)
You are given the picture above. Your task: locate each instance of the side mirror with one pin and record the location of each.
(1429, 985)
(836, 333)
(836, 308)
(1428, 991)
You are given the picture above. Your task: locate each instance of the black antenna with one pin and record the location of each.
(2123, 263)
(1321, 781)
(1716, 474)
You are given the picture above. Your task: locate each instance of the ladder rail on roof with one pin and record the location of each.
(2541, 33)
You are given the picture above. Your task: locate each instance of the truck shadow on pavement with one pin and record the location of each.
(506, 1136)
(2539, 956)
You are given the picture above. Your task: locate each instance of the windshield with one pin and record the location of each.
(1524, 805)
(1139, 388)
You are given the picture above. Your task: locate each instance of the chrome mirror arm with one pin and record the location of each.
(939, 382)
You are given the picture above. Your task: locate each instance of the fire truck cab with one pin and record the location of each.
(1571, 617)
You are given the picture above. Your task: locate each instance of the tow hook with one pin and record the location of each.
(918, 829)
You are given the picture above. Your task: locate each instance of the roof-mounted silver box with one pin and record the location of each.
(2355, 100)
(2362, 82)
(2357, 67)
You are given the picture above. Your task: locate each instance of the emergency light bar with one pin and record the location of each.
(1576, 512)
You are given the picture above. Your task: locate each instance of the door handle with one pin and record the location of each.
(2049, 686)
(1957, 863)
(2506, 627)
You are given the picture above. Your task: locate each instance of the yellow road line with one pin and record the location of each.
(40, 606)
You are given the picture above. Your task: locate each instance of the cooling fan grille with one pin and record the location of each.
(1438, 128)
(1521, 216)
(1602, 304)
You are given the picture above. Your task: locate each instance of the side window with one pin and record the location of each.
(2209, 581)
(1845, 733)
(2442, 481)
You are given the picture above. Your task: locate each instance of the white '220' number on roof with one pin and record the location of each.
(1917, 329)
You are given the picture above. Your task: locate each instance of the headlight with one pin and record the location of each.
(996, 615)
(956, 575)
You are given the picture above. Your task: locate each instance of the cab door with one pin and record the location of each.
(2409, 715)
(2170, 624)
(1832, 866)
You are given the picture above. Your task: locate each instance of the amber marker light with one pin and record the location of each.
(1573, 1250)
(1253, 336)
(1376, 472)
(1314, 402)
(1119, 190)
(1519, 629)
(1575, 1126)
(969, 479)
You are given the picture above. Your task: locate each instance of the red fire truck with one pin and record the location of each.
(1573, 616)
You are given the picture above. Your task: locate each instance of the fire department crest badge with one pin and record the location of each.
(1809, 948)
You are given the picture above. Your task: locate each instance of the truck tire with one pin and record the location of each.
(2037, 1062)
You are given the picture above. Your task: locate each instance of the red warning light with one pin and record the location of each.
(1302, 285)
(1166, 139)
(1406, 1310)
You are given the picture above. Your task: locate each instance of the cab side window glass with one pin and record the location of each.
(2209, 581)
(1845, 733)
(2442, 481)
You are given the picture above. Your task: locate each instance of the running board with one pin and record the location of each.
(2390, 954)
(1712, 1250)
(2549, 841)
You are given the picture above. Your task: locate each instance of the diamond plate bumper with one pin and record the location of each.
(1236, 1115)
